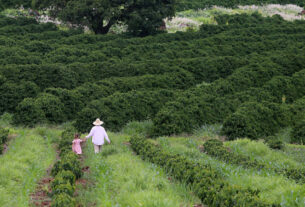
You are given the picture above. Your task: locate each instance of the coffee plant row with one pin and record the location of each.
(65, 172)
(207, 183)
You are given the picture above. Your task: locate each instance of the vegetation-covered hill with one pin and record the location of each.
(246, 71)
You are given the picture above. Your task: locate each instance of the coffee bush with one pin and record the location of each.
(29, 113)
(52, 107)
(63, 200)
(298, 132)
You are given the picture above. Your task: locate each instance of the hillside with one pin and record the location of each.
(50, 75)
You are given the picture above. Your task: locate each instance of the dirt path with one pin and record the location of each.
(41, 196)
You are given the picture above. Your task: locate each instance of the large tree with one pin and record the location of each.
(142, 16)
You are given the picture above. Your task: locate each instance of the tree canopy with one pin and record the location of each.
(142, 16)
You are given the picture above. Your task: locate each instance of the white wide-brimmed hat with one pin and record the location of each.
(98, 122)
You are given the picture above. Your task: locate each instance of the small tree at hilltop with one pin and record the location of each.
(142, 16)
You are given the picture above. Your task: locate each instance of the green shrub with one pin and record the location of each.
(297, 110)
(183, 115)
(67, 175)
(58, 180)
(85, 118)
(29, 113)
(63, 177)
(254, 120)
(69, 162)
(63, 200)
(212, 143)
(274, 143)
(52, 107)
(14, 92)
(66, 139)
(279, 87)
(2, 79)
(236, 125)
(71, 100)
(298, 132)
(66, 188)
(298, 81)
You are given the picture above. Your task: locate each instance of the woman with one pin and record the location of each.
(98, 135)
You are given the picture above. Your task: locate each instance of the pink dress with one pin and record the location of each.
(76, 146)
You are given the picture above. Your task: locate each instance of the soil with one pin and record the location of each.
(86, 169)
(41, 197)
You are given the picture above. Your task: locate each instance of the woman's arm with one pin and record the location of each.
(106, 136)
(90, 134)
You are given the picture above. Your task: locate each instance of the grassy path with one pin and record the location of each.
(25, 162)
(273, 187)
(122, 179)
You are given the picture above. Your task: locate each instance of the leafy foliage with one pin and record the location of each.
(254, 120)
(29, 113)
(275, 143)
(63, 199)
(298, 133)
(142, 17)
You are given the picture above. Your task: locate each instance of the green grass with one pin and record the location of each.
(262, 153)
(273, 188)
(143, 128)
(296, 152)
(122, 179)
(23, 165)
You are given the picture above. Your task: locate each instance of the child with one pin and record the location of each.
(76, 144)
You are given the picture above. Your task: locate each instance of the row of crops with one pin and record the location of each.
(268, 180)
(207, 183)
(247, 72)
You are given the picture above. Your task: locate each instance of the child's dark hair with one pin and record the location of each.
(76, 136)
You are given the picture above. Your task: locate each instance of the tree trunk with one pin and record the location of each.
(99, 28)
